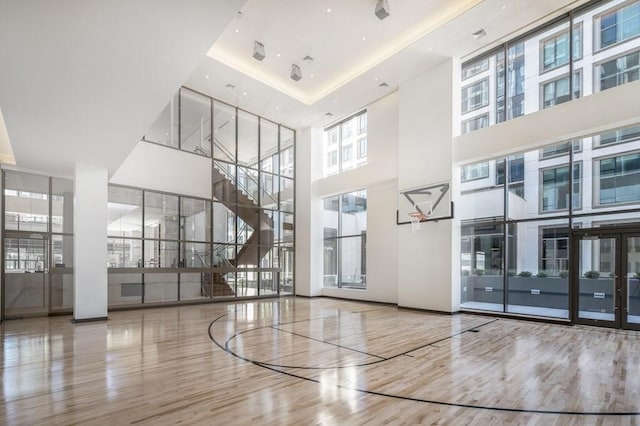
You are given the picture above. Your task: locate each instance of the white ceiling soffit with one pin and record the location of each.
(6, 152)
(283, 26)
(83, 80)
(345, 38)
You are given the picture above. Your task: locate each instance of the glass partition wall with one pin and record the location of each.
(37, 271)
(519, 213)
(170, 248)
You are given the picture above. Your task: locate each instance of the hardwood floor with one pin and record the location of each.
(314, 361)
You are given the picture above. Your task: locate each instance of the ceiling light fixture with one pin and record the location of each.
(479, 34)
(237, 30)
(296, 73)
(207, 76)
(328, 10)
(258, 50)
(382, 9)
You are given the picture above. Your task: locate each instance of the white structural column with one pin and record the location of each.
(308, 260)
(424, 157)
(90, 243)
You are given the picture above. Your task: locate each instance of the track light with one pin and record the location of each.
(382, 9)
(296, 74)
(258, 50)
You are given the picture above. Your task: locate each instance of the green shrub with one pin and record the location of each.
(592, 274)
(563, 274)
(524, 274)
(541, 274)
(478, 272)
(465, 273)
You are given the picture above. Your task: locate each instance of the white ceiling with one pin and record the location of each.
(83, 80)
(347, 70)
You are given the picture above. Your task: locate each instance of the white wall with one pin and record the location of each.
(378, 177)
(424, 157)
(156, 167)
(308, 259)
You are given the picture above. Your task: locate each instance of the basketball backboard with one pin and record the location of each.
(433, 201)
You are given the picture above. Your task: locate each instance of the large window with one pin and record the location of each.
(599, 42)
(619, 179)
(516, 213)
(238, 243)
(345, 238)
(345, 145)
(619, 25)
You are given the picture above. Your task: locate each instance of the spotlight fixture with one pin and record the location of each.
(382, 9)
(258, 50)
(479, 34)
(296, 74)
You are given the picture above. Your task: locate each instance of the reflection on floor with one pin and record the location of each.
(294, 361)
(544, 312)
(517, 309)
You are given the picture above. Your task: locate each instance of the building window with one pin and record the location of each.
(362, 148)
(516, 170)
(362, 123)
(555, 251)
(332, 158)
(475, 123)
(343, 134)
(554, 191)
(618, 136)
(475, 96)
(471, 69)
(475, 171)
(332, 136)
(617, 72)
(619, 179)
(619, 25)
(555, 50)
(347, 153)
(345, 237)
(560, 149)
(557, 91)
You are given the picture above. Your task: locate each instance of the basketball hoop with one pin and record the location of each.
(415, 218)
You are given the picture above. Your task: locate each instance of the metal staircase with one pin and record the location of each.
(240, 199)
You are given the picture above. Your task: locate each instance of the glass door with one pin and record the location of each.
(596, 295)
(606, 279)
(26, 269)
(631, 282)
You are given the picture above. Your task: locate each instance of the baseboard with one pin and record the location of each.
(429, 311)
(84, 320)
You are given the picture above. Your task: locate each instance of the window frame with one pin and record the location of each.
(597, 180)
(484, 103)
(597, 32)
(571, 181)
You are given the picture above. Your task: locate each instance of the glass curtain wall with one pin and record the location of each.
(38, 244)
(239, 243)
(524, 227)
(345, 240)
(597, 44)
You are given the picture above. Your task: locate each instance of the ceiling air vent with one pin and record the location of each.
(230, 86)
(308, 59)
(383, 84)
(328, 114)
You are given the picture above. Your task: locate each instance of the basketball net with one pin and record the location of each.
(415, 218)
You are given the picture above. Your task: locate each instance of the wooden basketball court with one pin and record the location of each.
(315, 361)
